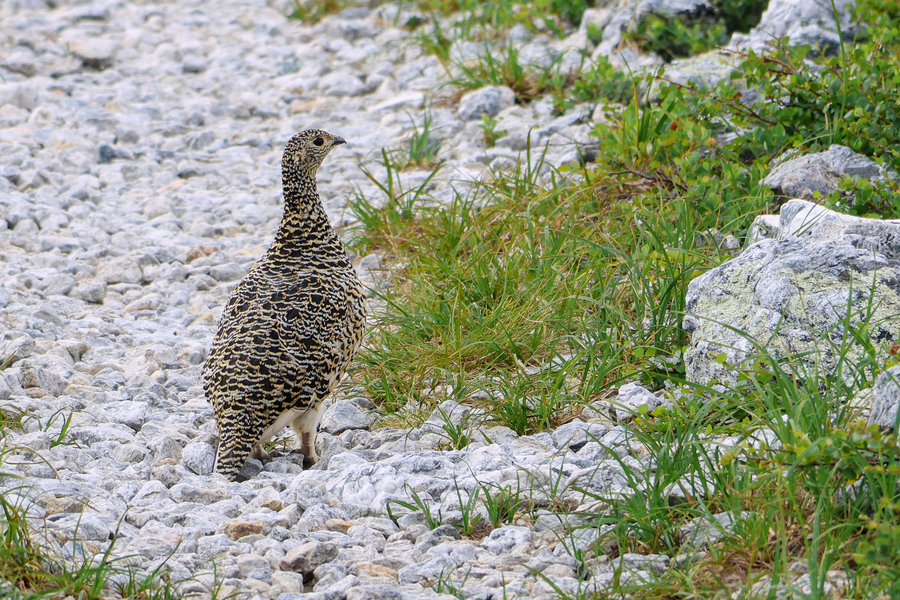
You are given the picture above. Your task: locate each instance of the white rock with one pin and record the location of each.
(97, 53)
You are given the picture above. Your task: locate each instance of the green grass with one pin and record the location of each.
(537, 292)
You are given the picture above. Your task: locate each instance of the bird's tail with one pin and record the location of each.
(234, 448)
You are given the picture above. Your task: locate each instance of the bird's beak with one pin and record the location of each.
(338, 141)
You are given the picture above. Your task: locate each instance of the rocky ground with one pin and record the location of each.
(139, 181)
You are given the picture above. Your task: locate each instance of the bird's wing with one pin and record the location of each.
(313, 321)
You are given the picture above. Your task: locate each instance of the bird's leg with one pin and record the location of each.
(306, 426)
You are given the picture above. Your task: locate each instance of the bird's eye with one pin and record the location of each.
(318, 141)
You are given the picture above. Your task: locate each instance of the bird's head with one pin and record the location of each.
(306, 151)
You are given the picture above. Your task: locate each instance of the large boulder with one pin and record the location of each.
(805, 22)
(794, 293)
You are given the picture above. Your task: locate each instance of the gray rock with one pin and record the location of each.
(193, 64)
(90, 291)
(251, 469)
(200, 494)
(21, 95)
(631, 399)
(701, 532)
(448, 414)
(705, 70)
(432, 538)
(504, 539)
(403, 100)
(497, 434)
(885, 398)
(36, 440)
(165, 447)
(94, 52)
(654, 563)
(792, 294)
(429, 570)
(37, 374)
(108, 153)
(306, 557)
(199, 457)
(20, 60)
(247, 563)
(121, 270)
(375, 592)
(82, 527)
(821, 172)
(341, 84)
(156, 540)
(131, 453)
(488, 101)
(371, 273)
(228, 272)
(538, 54)
(343, 415)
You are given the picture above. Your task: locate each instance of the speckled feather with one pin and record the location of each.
(292, 325)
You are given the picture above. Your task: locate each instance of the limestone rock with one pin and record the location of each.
(794, 292)
(488, 101)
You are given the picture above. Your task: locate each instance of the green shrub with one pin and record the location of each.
(741, 15)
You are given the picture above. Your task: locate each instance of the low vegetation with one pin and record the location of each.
(538, 291)
(33, 567)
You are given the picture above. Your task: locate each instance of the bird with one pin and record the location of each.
(292, 325)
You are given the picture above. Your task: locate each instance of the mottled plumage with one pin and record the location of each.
(292, 325)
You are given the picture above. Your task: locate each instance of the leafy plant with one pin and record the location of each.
(489, 127)
(602, 81)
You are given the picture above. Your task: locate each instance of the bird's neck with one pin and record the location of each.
(305, 230)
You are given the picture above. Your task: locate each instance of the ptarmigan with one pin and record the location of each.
(292, 325)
